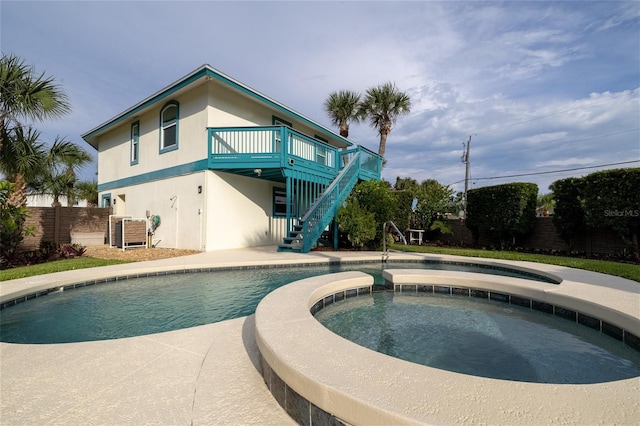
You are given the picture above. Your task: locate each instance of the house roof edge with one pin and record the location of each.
(200, 72)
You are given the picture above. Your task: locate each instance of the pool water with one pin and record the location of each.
(139, 306)
(481, 337)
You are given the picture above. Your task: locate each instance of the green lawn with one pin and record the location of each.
(624, 270)
(56, 266)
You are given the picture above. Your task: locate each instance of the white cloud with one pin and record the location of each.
(536, 84)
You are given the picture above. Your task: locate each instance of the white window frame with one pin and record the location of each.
(277, 121)
(135, 143)
(165, 125)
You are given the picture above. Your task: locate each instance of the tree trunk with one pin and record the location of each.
(18, 197)
(383, 143)
(344, 129)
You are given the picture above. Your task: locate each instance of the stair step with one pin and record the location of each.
(290, 247)
(289, 240)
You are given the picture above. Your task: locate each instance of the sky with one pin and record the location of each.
(537, 87)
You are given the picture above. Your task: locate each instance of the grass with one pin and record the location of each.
(56, 266)
(625, 270)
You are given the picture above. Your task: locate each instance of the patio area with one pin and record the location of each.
(203, 375)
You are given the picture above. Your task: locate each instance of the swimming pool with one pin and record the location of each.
(481, 337)
(138, 306)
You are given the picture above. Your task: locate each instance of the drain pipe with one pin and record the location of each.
(385, 252)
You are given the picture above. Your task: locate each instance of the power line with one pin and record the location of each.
(547, 172)
(556, 171)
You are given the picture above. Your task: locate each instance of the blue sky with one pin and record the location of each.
(539, 86)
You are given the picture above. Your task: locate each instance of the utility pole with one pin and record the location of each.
(465, 160)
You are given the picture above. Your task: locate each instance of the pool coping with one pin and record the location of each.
(14, 291)
(37, 378)
(347, 383)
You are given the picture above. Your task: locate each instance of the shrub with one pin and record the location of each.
(72, 250)
(433, 200)
(503, 212)
(612, 200)
(374, 197)
(357, 223)
(568, 214)
(402, 215)
(12, 230)
(606, 199)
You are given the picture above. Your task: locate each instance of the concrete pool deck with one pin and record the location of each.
(202, 375)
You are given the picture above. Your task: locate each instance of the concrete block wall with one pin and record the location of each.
(57, 223)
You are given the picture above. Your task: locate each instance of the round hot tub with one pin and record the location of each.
(319, 376)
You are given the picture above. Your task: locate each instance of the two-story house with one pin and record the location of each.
(219, 165)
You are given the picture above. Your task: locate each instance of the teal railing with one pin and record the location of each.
(280, 146)
(244, 146)
(322, 212)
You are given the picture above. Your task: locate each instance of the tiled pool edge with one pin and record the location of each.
(320, 299)
(7, 300)
(627, 337)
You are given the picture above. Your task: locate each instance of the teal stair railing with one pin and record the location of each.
(309, 229)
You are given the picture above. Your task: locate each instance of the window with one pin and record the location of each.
(321, 155)
(169, 126)
(106, 200)
(279, 202)
(321, 151)
(135, 142)
(279, 122)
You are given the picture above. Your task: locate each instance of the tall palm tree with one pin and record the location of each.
(382, 105)
(343, 106)
(27, 95)
(26, 161)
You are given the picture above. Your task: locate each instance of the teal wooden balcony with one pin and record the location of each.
(278, 150)
(310, 168)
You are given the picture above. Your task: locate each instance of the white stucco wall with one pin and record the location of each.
(239, 212)
(175, 200)
(231, 212)
(46, 200)
(114, 158)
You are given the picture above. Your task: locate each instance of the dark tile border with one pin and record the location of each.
(611, 330)
(297, 407)
(523, 274)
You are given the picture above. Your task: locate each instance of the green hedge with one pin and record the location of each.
(606, 199)
(502, 212)
(568, 215)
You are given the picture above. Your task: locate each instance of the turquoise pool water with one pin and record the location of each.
(481, 337)
(156, 304)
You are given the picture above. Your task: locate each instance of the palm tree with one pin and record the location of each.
(383, 105)
(88, 191)
(26, 95)
(343, 106)
(21, 162)
(26, 161)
